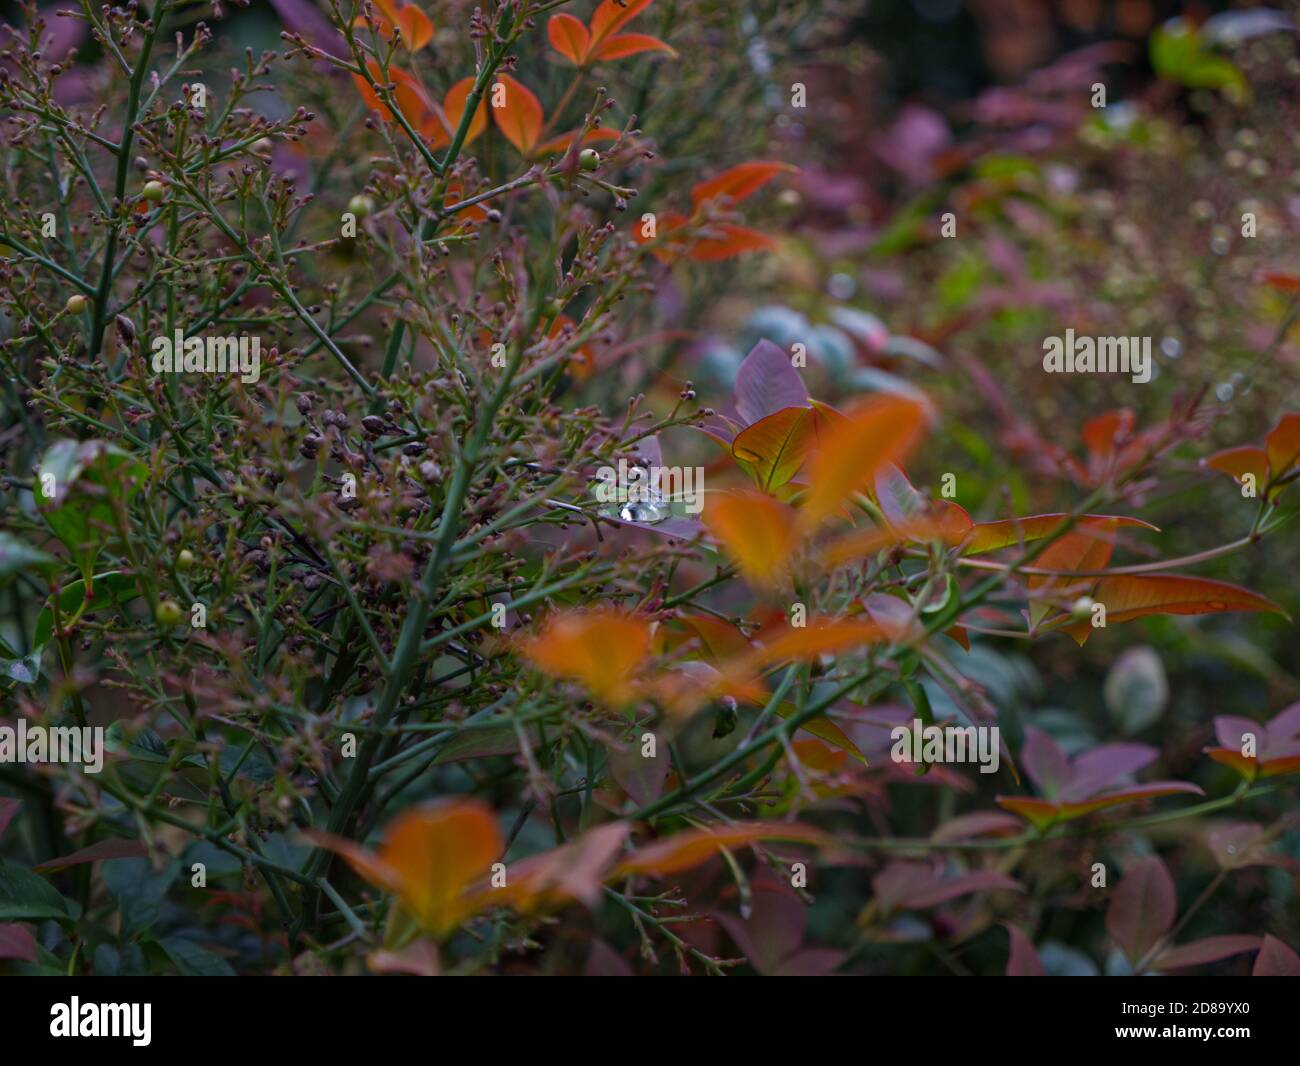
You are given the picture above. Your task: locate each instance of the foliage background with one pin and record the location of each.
(1116, 221)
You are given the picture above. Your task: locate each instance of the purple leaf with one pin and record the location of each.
(1230, 730)
(17, 942)
(810, 962)
(302, 16)
(1199, 952)
(983, 881)
(1024, 960)
(1044, 762)
(604, 961)
(8, 808)
(1284, 726)
(1099, 769)
(911, 143)
(1275, 959)
(979, 823)
(1142, 908)
(114, 848)
(767, 382)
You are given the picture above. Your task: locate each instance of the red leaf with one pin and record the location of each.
(1199, 952)
(1142, 908)
(738, 183)
(991, 536)
(725, 240)
(1129, 596)
(1024, 960)
(1275, 959)
(17, 942)
(976, 824)
(686, 850)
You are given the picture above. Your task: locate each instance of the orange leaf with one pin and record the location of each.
(774, 448)
(613, 15)
(600, 648)
(687, 850)
(881, 430)
(1039, 812)
(1283, 445)
(630, 44)
(720, 639)
(407, 91)
(562, 143)
(867, 542)
(1088, 546)
(520, 116)
(724, 240)
(738, 183)
(818, 637)
(1128, 596)
(453, 110)
(572, 871)
(417, 30)
(1287, 283)
(569, 37)
(1243, 764)
(1237, 462)
(756, 530)
(428, 858)
(991, 536)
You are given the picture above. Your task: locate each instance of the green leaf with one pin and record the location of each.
(824, 729)
(79, 484)
(25, 670)
(16, 555)
(1178, 54)
(138, 889)
(26, 897)
(112, 587)
(145, 745)
(1136, 690)
(194, 961)
(482, 743)
(126, 961)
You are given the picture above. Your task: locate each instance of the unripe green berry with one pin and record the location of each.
(168, 612)
(76, 304)
(1082, 608)
(185, 559)
(361, 205)
(154, 191)
(589, 159)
